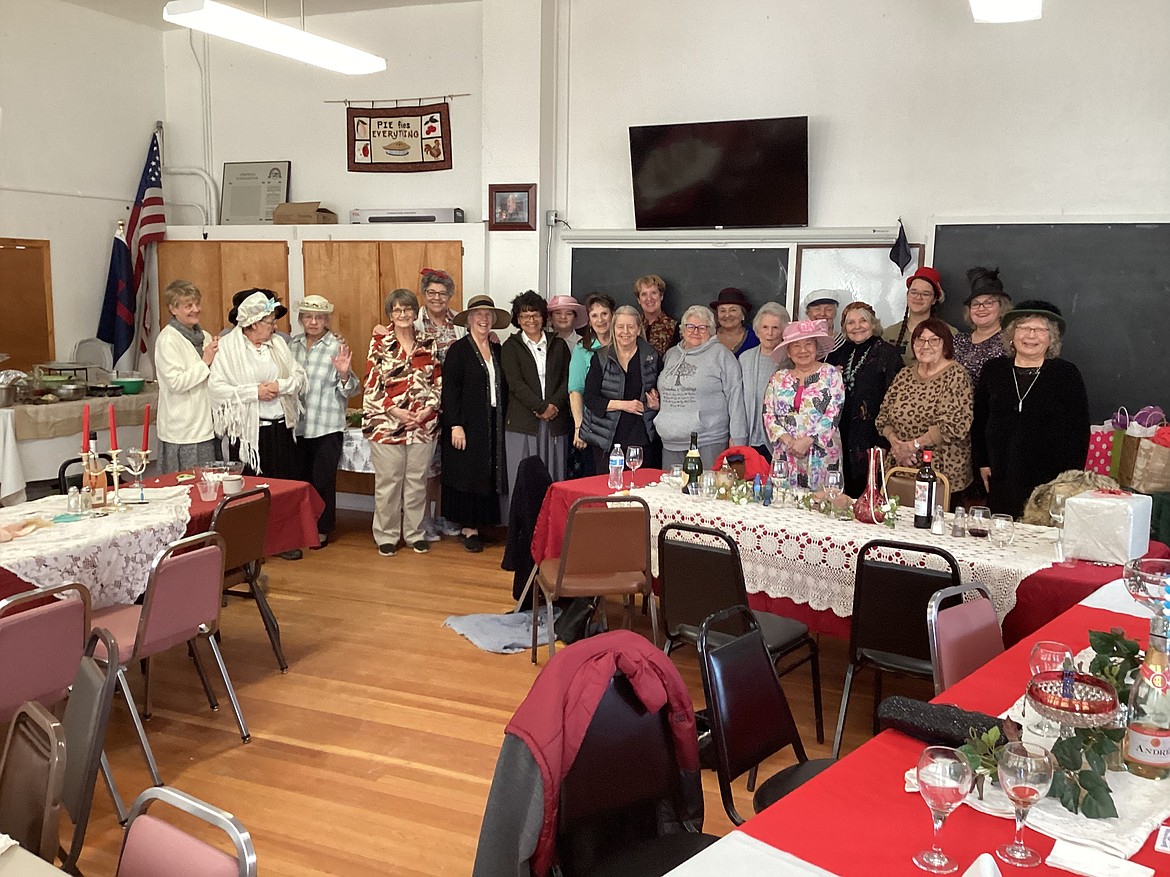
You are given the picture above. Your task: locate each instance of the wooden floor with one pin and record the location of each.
(374, 754)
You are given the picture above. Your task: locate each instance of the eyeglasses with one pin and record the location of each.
(1032, 330)
(437, 293)
(928, 342)
(267, 321)
(530, 315)
(920, 293)
(982, 304)
(402, 312)
(691, 327)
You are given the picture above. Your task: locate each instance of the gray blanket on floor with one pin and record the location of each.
(503, 634)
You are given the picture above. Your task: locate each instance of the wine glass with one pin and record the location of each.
(1025, 774)
(633, 460)
(1003, 530)
(1047, 655)
(979, 522)
(833, 487)
(944, 779)
(136, 460)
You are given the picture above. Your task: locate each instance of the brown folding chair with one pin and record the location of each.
(242, 520)
(900, 483)
(606, 550)
(32, 774)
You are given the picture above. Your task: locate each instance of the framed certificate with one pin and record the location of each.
(251, 190)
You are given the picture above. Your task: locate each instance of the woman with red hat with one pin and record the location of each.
(924, 293)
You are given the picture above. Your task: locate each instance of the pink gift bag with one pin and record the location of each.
(1100, 449)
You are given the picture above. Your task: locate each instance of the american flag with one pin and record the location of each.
(148, 225)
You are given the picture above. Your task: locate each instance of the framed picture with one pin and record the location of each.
(512, 207)
(251, 190)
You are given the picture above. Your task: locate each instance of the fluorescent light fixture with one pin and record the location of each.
(1005, 11)
(260, 33)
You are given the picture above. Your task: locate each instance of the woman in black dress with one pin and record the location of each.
(1031, 410)
(474, 398)
(868, 367)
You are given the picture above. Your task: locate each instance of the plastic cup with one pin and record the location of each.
(208, 490)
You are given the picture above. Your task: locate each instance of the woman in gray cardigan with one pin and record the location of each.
(758, 366)
(621, 396)
(537, 372)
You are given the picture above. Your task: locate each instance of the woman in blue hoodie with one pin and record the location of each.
(701, 391)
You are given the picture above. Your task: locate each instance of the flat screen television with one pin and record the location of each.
(747, 173)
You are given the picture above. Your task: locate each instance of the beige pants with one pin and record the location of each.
(400, 491)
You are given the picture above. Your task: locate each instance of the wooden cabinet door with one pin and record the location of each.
(27, 289)
(346, 273)
(400, 264)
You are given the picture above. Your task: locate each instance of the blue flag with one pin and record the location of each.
(116, 326)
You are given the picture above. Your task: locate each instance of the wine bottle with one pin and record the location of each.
(925, 488)
(1147, 737)
(692, 466)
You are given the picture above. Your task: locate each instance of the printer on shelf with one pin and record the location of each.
(434, 214)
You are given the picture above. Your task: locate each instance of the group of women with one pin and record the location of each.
(450, 411)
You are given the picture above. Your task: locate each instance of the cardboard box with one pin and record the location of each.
(303, 213)
(1105, 526)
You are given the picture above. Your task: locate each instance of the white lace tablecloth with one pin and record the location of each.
(110, 554)
(808, 558)
(355, 452)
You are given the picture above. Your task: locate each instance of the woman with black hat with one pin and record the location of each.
(731, 311)
(982, 310)
(924, 293)
(475, 395)
(1031, 410)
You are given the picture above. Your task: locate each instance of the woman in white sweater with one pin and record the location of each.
(183, 355)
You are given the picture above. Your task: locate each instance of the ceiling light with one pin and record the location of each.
(260, 33)
(1004, 11)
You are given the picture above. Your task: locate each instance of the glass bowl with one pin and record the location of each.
(1093, 703)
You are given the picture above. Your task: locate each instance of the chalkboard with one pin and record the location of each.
(693, 276)
(1110, 280)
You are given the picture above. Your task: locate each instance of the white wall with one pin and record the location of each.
(80, 93)
(914, 110)
(268, 108)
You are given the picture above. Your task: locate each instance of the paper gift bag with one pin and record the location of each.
(1151, 468)
(1100, 455)
(1108, 526)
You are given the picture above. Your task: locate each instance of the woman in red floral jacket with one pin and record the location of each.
(400, 419)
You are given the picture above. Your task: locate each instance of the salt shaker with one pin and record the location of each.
(85, 500)
(937, 523)
(73, 503)
(959, 528)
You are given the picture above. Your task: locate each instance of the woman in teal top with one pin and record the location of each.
(600, 308)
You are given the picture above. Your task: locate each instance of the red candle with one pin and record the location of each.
(85, 428)
(146, 430)
(113, 430)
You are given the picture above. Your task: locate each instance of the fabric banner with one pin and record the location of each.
(399, 139)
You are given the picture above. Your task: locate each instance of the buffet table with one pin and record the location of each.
(857, 819)
(801, 564)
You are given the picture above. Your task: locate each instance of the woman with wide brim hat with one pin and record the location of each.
(1031, 410)
(475, 395)
(924, 293)
(320, 432)
(566, 317)
(731, 309)
(802, 404)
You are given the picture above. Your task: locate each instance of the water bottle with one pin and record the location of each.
(617, 467)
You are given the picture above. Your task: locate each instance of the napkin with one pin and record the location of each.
(984, 866)
(1093, 863)
(738, 853)
(6, 842)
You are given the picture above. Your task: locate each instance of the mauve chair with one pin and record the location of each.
(181, 604)
(46, 642)
(153, 847)
(963, 637)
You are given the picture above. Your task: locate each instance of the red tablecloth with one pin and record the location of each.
(1040, 597)
(856, 819)
(292, 520)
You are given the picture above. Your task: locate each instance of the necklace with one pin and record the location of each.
(1016, 381)
(851, 370)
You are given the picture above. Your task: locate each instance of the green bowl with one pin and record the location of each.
(130, 386)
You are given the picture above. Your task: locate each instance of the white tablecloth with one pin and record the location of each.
(808, 558)
(109, 554)
(12, 478)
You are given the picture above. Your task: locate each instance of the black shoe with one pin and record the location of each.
(387, 550)
(420, 547)
(473, 544)
(294, 554)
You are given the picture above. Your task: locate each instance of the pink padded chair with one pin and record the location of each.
(46, 642)
(963, 637)
(153, 846)
(181, 604)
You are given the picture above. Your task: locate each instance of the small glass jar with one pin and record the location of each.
(73, 502)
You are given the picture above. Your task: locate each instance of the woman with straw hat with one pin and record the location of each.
(320, 432)
(475, 396)
(802, 404)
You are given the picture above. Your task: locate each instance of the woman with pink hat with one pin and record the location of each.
(565, 316)
(924, 293)
(802, 404)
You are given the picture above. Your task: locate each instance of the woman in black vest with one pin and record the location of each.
(621, 393)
